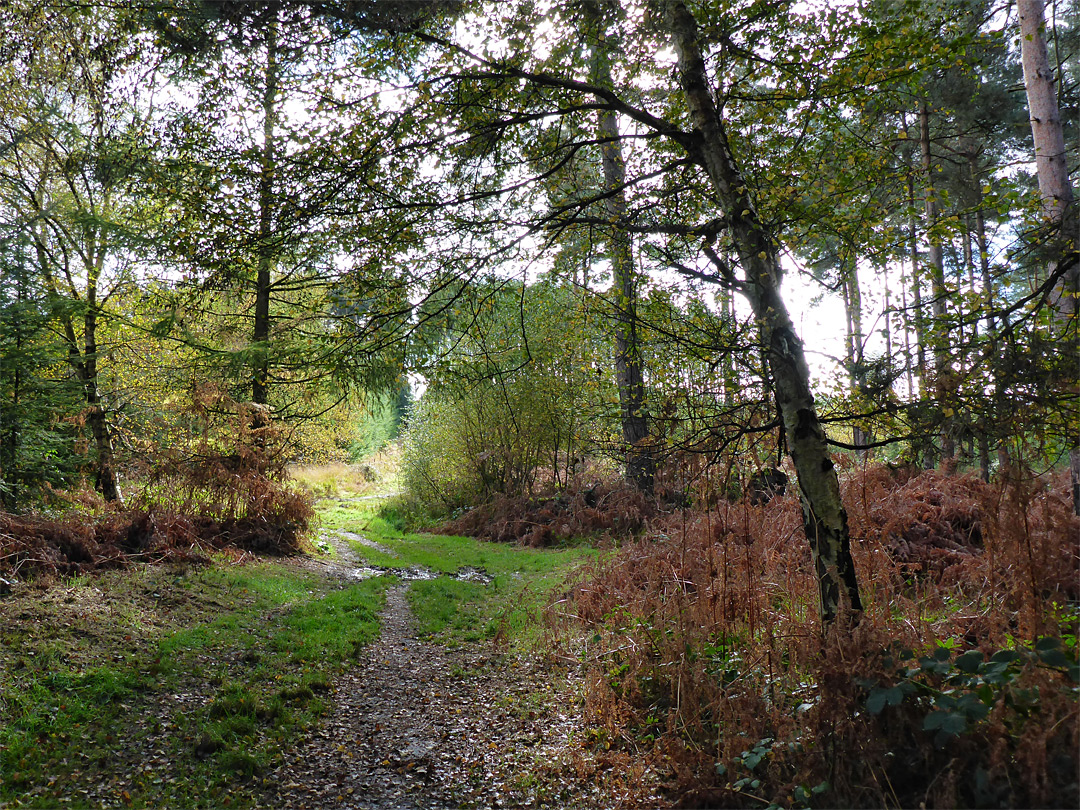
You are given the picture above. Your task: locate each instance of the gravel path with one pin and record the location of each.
(416, 725)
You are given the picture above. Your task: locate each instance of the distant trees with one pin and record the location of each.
(518, 399)
(36, 397)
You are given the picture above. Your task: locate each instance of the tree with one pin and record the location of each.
(264, 223)
(696, 162)
(65, 170)
(1055, 189)
(513, 400)
(640, 463)
(825, 519)
(37, 445)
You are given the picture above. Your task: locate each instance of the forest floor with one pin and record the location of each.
(179, 686)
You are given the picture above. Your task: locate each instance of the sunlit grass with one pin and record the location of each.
(508, 608)
(376, 475)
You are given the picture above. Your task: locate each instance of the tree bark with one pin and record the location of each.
(919, 320)
(99, 425)
(856, 368)
(824, 516)
(1047, 134)
(985, 420)
(640, 463)
(1054, 188)
(83, 359)
(943, 372)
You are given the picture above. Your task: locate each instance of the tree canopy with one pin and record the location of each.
(602, 218)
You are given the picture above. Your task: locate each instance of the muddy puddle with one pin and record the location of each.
(414, 573)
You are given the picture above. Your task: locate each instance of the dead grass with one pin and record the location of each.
(607, 508)
(703, 644)
(375, 475)
(189, 505)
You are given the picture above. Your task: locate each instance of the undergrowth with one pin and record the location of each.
(190, 502)
(958, 688)
(605, 508)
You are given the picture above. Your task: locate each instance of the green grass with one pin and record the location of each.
(263, 644)
(509, 607)
(179, 688)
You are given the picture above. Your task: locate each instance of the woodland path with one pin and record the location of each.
(417, 725)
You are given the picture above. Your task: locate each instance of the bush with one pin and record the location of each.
(959, 687)
(191, 502)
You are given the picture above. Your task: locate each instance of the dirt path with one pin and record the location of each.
(411, 725)
(415, 725)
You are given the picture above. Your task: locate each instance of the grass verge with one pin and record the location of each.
(167, 686)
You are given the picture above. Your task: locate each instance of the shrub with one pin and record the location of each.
(959, 688)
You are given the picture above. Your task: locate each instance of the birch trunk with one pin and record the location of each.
(1054, 187)
(824, 516)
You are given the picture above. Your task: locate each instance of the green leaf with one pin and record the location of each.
(1047, 643)
(954, 724)
(946, 722)
(163, 327)
(1054, 658)
(877, 701)
(972, 706)
(994, 672)
(969, 661)
(1005, 656)
(907, 687)
(933, 721)
(947, 702)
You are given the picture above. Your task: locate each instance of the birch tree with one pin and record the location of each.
(1055, 188)
(824, 516)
